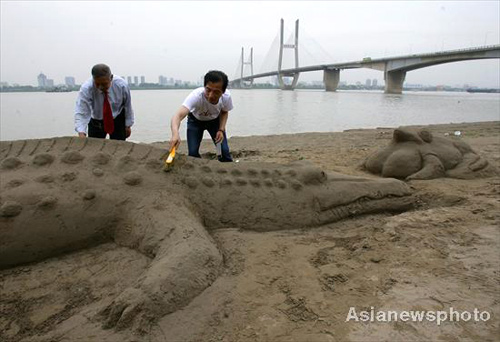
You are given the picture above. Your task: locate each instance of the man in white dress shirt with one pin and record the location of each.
(207, 108)
(104, 106)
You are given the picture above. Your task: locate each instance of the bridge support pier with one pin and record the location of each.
(331, 79)
(291, 86)
(394, 81)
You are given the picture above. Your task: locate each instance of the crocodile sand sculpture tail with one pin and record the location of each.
(63, 194)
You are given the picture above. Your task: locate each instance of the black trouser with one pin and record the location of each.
(96, 128)
(195, 130)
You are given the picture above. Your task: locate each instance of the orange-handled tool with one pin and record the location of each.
(169, 162)
(171, 156)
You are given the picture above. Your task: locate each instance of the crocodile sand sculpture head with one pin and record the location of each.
(417, 154)
(63, 194)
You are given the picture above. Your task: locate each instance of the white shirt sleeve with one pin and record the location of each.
(191, 101)
(129, 112)
(227, 103)
(83, 110)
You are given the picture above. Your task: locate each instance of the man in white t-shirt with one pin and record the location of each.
(207, 108)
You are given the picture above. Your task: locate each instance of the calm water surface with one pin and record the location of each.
(256, 112)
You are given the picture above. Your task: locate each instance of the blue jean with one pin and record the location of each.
(195, 130)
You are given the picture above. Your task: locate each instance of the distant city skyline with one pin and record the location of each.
(69, 81)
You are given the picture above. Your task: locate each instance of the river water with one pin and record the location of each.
(256, 112)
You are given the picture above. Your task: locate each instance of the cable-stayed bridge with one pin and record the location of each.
(394, 68)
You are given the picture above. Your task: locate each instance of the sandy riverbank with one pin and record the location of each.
(299, 285)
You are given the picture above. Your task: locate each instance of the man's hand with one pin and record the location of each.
(82, 135)
(219, 137)
(128, 131)
(174, 141)
(175, 123)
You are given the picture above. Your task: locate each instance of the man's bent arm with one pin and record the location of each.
(129, 112)
(223, 120)
(177, 118)
(176, 124)
(82, 113)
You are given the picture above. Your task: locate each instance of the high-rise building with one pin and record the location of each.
(143, 79)
(49, 82)
(136, 80)
(162, 80)
(69, 81)
(42, 80)
(368, 82)
(374, 82)
(129, 80)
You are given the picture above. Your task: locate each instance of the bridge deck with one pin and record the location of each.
(453, 55)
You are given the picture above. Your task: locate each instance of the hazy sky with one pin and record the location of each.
(185, 39)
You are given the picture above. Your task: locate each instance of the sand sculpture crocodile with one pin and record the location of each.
(417, 154)
(64, 194)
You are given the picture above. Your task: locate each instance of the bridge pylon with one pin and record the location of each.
(294, 46)
(243, 83)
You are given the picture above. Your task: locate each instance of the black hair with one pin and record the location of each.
(101, 70)
(216, 76)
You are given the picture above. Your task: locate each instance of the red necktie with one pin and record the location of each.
(107, 114)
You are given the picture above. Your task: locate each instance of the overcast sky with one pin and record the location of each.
(185, 39)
